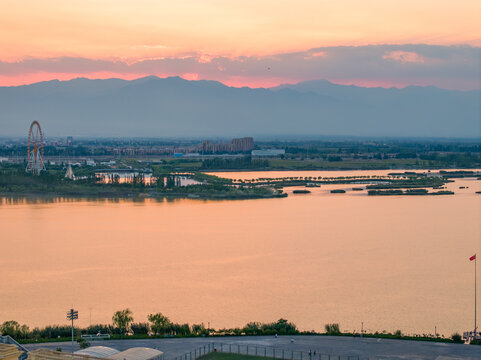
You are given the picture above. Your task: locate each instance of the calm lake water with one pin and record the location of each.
(394, 262)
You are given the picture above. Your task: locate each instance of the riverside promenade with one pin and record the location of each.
(333, 345)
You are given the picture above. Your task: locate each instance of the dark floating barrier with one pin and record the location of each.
(446, 192)
(301, 192)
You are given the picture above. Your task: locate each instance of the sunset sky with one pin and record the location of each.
(244, 43)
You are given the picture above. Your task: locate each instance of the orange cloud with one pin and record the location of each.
(140, 29)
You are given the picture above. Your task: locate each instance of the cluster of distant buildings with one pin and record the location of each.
(68, 142)
(94, 153)
(235, 146)
(239, 145)
(243, 145)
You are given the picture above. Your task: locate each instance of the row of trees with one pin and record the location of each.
(157, 325)
(160, 325)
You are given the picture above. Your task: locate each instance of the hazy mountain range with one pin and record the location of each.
(156, 107)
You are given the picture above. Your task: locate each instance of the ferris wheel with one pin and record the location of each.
(35, 163)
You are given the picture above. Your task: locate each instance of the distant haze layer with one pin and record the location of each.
(158, 107)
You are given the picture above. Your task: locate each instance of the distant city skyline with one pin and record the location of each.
(248, 43)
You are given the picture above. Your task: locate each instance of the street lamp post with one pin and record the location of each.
(475, 300)
(72, 315)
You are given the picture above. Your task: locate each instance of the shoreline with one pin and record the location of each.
(263, 188)
(207, 171)
(138, 197)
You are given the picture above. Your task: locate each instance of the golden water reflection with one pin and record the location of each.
(392, 262)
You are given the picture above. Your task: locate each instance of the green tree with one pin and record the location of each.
(140, 328)
(181, 329)
(160, 324)
(282, 327)
(332, 329)
(456, 337)
(14, 329)
(122, 319)
(199, 329)
(252, 328)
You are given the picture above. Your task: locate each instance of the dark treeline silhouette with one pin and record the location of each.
(157, 325)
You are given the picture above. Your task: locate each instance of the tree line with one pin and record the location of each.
(159, 325)
(156, 325)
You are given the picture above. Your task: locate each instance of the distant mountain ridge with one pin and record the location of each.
(161, 107)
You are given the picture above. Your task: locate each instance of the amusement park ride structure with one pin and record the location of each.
(35, 162)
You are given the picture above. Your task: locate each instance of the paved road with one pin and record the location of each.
(334, 345)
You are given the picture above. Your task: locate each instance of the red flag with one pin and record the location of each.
(472, 257)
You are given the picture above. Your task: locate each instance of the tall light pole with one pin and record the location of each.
(72, 315)
(475, 327)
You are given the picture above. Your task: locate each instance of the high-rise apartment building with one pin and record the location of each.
(242, 144)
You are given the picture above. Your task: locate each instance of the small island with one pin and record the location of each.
(136, 179)
(130, 182)
(408, 192)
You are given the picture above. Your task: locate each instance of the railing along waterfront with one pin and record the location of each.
(263, 351)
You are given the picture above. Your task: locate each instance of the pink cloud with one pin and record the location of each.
(316, 54)
(383, 65)
(319, 54)
(404, 57)
(205, 59)
(190, 76)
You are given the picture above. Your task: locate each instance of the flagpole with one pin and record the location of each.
(475, 275)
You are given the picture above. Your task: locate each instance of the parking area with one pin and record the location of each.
(333, 345)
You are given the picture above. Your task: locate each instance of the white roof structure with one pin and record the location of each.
(138, 353)
(97, 351)
(45, 354)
